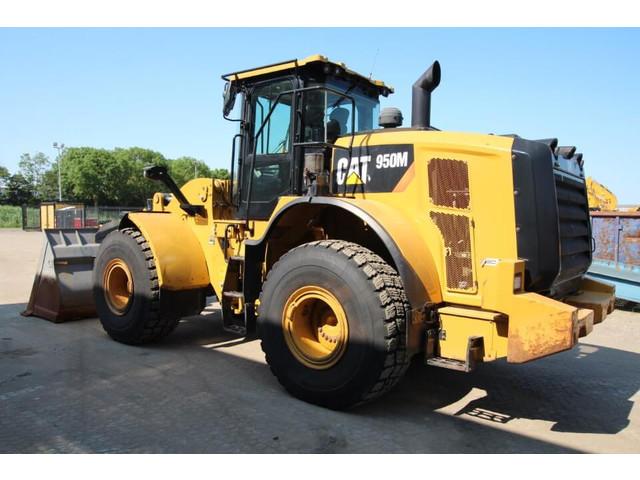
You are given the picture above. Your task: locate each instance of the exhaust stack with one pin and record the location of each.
(421, 96)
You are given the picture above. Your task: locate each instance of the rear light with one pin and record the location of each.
(517, 282)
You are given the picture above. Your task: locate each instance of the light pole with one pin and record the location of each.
(60, 148)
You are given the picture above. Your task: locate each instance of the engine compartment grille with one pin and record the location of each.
(449, 183)
(449, 195)
(457, 241)
(574, 230)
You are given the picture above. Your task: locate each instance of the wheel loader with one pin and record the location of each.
(350, 244)
(600, 197)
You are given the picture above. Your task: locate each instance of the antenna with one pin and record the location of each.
(375, 57)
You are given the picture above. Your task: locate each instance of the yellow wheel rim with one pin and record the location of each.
(315, 327)
(118, 286)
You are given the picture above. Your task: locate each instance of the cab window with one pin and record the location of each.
(275, 137)
(328, 116)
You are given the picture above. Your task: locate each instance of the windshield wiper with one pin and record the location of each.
(340, 99)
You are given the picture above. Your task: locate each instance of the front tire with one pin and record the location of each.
(126, 290)
(332, 320)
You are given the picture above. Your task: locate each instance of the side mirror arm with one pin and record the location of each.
(159, 173)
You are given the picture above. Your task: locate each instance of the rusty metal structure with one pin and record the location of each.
(616, 256)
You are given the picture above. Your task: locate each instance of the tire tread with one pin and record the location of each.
(155, 325)
(393, 304)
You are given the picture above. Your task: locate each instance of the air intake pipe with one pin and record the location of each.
(421, 96)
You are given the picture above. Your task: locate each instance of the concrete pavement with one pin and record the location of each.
(69, 388)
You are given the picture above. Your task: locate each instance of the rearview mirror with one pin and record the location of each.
(229, 98)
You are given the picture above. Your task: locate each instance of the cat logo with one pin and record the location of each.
(354, 179)
(353, 171)
(375, 168)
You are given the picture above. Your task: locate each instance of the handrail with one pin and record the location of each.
(233, 163)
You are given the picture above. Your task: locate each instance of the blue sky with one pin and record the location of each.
(161, 88)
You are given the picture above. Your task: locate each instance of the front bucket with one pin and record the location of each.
(62, 288)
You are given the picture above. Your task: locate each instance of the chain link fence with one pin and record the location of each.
(95, 216)
(30, 218)
(67, 216)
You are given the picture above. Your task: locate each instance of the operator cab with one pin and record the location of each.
(292, 113)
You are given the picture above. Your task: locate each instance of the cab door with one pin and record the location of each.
(269, 133)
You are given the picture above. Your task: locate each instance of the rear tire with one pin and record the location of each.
(126, 290)
(359, 287)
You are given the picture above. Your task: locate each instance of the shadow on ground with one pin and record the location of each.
(627, 306)
(585, 390)
(67, 388)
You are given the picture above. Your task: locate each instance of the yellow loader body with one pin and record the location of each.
(515, 324)
(349, 249)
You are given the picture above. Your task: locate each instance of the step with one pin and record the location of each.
(235, 329)
(449, 363)
(233, 294)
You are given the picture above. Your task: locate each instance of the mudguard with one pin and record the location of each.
(179, 258)
(414, 263)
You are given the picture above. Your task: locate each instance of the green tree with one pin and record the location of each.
(184, 169)
(221, 173)
(4, 176)
(92, 175)
(135, 189)
(48, 189)
(99, 176)
(18, 191)
(32, 168)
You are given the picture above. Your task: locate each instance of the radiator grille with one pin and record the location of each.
(449, 183)
(457, 241)
(575, 231)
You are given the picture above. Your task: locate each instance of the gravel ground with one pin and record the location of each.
(69, 388)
